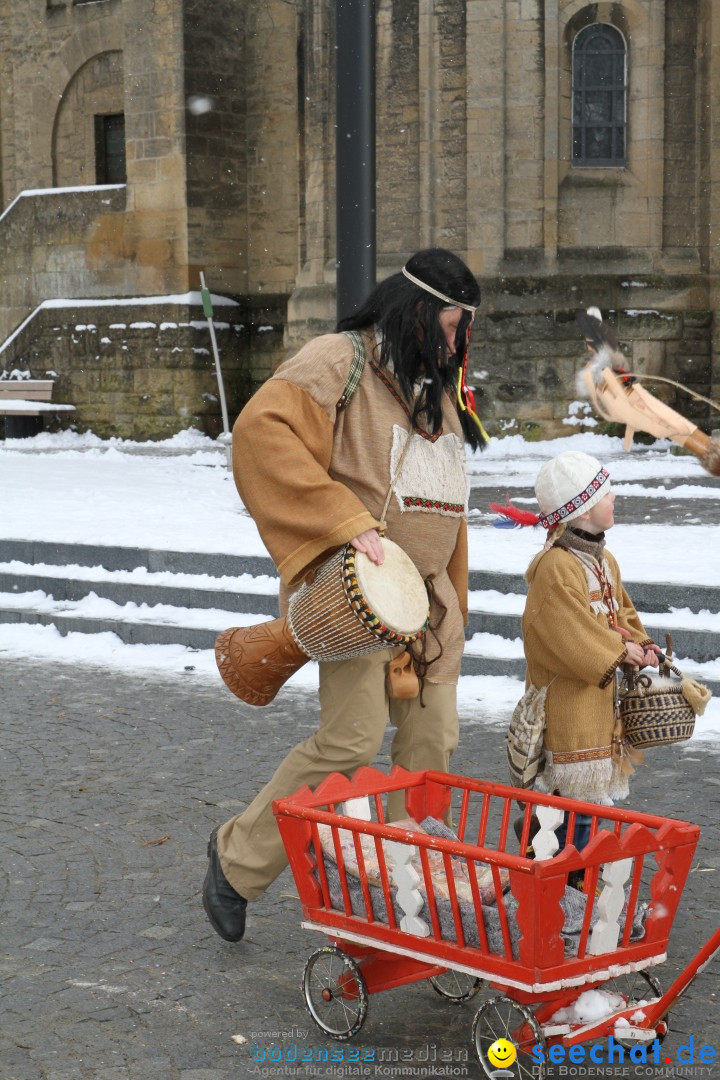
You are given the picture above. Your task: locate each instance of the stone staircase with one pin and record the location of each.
(186, 598)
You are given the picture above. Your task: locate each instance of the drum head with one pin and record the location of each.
(394, 591)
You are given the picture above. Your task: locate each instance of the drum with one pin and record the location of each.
(348, 607)
(351, 606)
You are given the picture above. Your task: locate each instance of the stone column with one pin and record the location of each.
(156, 230)
(485, 111)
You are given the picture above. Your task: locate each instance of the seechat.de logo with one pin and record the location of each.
(615, 1054)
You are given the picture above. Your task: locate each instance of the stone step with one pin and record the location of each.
(206, 587)
(130, 558)
(121, 592)
(153, 632)
(647, 596)
(149, 633)
(198, 638)
(702, 645)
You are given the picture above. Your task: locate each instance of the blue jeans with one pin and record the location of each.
(581, 833)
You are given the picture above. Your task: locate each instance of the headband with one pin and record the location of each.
(572, 506)
(440, 296)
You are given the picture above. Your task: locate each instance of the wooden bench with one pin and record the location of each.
(24, 402)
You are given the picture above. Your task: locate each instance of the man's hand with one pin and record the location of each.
(371, 545)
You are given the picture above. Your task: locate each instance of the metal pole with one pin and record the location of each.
(207, 308)
(355, 153)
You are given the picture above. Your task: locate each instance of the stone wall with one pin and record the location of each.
(229, 109)
(146, 371)
(55, 245)
(526, 348)
(96, 90)
(216, 143)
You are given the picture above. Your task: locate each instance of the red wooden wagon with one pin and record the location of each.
(401, 905)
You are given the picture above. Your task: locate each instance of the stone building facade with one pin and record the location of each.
(566, 149)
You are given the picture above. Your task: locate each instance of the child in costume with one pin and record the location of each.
(579, 627)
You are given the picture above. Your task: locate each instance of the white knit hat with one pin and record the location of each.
(568, 486)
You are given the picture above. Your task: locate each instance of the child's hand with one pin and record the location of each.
(651, 656)
(635, 655)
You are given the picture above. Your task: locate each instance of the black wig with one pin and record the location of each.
(413, 343)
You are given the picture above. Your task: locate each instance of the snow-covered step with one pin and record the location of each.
(654, 596)
(187, 597)
(197, 628)
(147, 624)
(694, 634)
(646, 595)
(129, 558)
(492, 654)
(237, 593)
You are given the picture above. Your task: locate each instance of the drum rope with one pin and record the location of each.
(422, 664)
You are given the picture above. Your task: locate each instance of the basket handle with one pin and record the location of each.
(666, 660)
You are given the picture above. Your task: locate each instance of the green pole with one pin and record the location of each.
(208, 311)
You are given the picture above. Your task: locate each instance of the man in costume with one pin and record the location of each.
(316, 454)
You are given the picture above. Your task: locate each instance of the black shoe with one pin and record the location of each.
(534, 829)
(223, 906)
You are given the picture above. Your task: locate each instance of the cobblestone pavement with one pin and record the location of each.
(108, 968)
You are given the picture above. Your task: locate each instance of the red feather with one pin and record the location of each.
(521, 517)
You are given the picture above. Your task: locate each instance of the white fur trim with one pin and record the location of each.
(598, 780)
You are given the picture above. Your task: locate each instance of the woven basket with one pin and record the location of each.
(656, 715)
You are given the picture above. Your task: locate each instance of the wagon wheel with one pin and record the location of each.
(502, 1018)
(335, 992)
(456, 986)
(635, 986)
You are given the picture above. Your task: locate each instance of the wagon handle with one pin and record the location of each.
(699, 962)
(654, 1011)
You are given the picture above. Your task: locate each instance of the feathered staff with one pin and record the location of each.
(617, 395)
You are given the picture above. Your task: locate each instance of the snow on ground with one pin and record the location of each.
(177, 495)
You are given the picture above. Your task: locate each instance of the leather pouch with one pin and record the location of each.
(401, 681)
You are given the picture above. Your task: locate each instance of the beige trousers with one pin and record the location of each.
(354, 710)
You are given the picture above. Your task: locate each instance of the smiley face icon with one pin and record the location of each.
(502, 1053)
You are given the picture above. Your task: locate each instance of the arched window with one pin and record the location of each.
(599, 72)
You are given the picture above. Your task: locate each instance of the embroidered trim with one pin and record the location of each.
(610, 673)
(403, 405)
(571, 757)
(433, 504)
(571, 508)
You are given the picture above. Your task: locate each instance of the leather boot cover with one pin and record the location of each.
(255, 661)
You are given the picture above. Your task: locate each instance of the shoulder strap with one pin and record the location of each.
(356, 369)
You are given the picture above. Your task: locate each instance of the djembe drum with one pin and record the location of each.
(348, 607)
